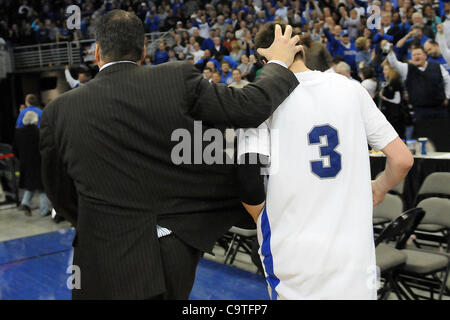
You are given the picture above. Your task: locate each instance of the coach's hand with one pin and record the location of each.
(378, 193)
(283, 48)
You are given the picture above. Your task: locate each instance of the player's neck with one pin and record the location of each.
(298, 66)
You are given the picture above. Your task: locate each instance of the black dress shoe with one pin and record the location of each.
(26, 209)
(58, 219)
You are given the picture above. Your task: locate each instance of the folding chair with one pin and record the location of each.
(389, 259)
(425, 269)
(437, 212)
(241, 241)
(436, 184)
(388, 210)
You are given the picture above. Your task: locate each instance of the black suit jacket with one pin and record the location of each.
(106, 163)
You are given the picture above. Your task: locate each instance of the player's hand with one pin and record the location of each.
(67, 67)
(283, 48)
(378, 194)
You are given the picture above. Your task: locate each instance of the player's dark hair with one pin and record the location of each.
(265, 36)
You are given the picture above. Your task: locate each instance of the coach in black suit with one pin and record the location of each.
(107, 168)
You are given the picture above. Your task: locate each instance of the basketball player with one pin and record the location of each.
(315, 230)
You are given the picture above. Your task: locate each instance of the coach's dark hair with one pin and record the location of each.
(120, 36)
(265, 36)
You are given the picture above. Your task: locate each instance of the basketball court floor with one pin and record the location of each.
(35, 254)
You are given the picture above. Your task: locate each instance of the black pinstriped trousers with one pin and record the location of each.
(180, 264)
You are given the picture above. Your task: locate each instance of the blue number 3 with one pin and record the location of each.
(327, 150)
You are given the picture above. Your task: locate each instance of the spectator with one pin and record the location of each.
(245, 67)
(216, 77)
(31, 104)
(238, 82)
(172, 55)
(242, 30)
(208, 43)
(391, 100)
(344, 69)
(363, 55)
(369, 81)
(388, 31)
(151, 21)
(161, 54)
(220, 25)
(219, 49)
(415, 36)
(236, 52)
(350, 23)
(83, 77)
(26, 148)
(179, 45)
(207, 74)
(334, 62)
(203, 27)
(428, 87)
(226, 76)
(434, 54)
(344, 47)
(441, 40)
(196, 52)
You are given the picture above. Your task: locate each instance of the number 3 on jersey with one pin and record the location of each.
(318, 167)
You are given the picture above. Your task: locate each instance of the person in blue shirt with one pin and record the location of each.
(152, 21)
(208, 43)
(434, 54)
(416, 35)
(231, 62)
(344, 48)
(227, 75)
(161, 54)
(201, 63)
(31, 104)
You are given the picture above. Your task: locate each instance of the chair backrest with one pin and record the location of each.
(398, 189)
(437, 211)
(5, 148)
(402, 227)
(437, 183)
(390, 208)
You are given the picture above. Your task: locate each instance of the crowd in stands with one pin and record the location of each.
(343, 36)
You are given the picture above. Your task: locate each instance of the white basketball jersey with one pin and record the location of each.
(316, 233)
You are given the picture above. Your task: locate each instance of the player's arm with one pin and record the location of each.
(253, 151)
(382, 136)
(398, 162)
(251, 183)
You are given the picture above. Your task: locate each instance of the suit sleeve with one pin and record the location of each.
(217, 104)
(58, 186)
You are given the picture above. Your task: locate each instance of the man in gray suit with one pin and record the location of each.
(141, 219)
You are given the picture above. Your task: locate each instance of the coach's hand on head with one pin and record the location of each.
(284, 47)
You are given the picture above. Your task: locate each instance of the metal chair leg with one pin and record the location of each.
(444, 282)
(227, 254)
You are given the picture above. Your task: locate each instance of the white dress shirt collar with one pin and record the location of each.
(115, 62)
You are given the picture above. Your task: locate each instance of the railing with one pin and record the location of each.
(64, 53)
